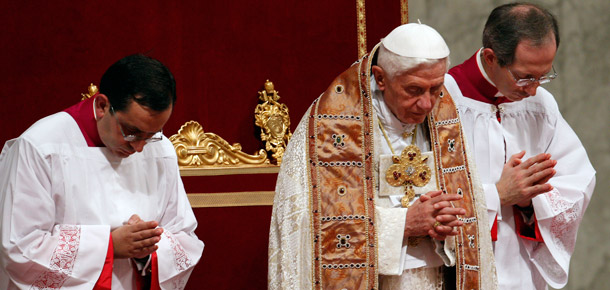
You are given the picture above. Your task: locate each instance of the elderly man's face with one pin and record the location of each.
(411, 95)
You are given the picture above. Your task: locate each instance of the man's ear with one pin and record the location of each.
(101, 106)
(489, 57)
(380, 77)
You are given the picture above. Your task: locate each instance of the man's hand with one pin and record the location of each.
(430, 208)
(136, 239)
(522, 181)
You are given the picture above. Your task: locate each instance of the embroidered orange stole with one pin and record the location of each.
(341, 184)
(453, 176)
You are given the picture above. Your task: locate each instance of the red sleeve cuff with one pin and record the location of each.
(494, 230)
(525, 231)
(105, 280)
(154, 267)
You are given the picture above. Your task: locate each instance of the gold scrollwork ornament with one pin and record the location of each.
(196, 148)
(274, 121)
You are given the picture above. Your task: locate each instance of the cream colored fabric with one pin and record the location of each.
(389, 239)
(418, 278)
(290, 246)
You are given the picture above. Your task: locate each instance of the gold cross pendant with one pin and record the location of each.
(410, 169)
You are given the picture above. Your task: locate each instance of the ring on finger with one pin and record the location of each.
(436, 224)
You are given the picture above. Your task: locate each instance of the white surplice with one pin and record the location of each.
(400, 266)
(536, 126)
(60, 199)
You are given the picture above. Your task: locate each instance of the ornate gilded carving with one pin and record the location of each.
(196, 148)
(274, 121)
(91, 91)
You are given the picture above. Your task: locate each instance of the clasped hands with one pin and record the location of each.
(136, 239)
(434, 215)
(521, 181)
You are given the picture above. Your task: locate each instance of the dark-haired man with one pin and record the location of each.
(80, 210)
(535, 172)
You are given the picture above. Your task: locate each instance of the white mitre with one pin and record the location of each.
(416, 40)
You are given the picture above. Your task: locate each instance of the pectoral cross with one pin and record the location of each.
(409, 169)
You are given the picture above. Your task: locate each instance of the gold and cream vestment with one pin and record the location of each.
(330, 227)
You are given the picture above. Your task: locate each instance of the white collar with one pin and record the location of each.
(482, 70)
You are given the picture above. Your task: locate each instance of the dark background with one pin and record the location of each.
(221, 53)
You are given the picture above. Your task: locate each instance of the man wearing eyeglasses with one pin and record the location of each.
(80, 209)
(535, 172)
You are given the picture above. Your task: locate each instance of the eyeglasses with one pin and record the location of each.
(527, 82)
(135, 138)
